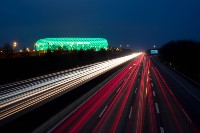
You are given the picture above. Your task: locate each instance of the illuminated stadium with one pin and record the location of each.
(71, 44)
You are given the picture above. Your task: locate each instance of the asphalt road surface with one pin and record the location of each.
(144, 97)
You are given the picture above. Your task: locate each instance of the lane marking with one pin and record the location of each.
(188, 90)
(152, 84)
(103, 111)
(139, 73)
(162, 130)
(154, 93)
(118, 89)
(135, 90)
(157, 109)
(130, 113)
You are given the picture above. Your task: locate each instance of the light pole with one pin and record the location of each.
(14, 45)
(34, 47)
(27, 49)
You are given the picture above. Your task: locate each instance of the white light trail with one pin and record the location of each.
(20, 95)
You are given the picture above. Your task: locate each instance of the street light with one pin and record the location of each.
(14, 45)
(154, 46)
(28, 49)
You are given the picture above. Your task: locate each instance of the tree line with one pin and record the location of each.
(183, 55)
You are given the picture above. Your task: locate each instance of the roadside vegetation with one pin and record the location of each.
(184, 56)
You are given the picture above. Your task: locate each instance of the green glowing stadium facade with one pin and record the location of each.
(71, 44)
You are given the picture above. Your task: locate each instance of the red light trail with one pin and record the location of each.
(132, 101)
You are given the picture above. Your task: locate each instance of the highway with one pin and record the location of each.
(180, 99)
(23, 95)
(141, 98)
(145, 96)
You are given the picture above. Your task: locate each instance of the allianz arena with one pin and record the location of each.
(71, 44)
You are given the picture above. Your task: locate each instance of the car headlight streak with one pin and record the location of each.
(18, 96)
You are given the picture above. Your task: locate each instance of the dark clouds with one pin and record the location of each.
(137, 23)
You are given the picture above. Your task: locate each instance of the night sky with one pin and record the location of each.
(138, 23)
